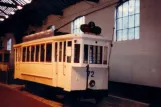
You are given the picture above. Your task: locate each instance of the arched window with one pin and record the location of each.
(128, 21)
(9, 43)
(76, 25)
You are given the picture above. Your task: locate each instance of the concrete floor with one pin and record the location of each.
(111, 101)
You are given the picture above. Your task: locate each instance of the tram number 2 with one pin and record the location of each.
(92, 73)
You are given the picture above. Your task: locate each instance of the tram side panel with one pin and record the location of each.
(38, 72)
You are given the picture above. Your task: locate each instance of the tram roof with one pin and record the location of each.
(64, 37)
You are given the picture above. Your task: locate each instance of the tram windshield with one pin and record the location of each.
(95, 54)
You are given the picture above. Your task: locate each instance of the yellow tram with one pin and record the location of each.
(73, 63)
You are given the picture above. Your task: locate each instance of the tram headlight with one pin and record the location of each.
(92, 83)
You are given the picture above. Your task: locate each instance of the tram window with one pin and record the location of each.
(85, 54)
(28, 53)
(60, 51)
(23, 54)
(15, 51)
(91, 58)
(42, 53)
(1, 58)
(64, 54)
(19, 55)
(48, 52)
(37, 53)
(56, 50)
(100, 55)
(32, 53)
(69, 59)
(6, 57)
(69, 51)
(76, 53)
(69, 43)
(95, 54)
(105, 55)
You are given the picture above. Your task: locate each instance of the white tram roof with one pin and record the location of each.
(64, 37)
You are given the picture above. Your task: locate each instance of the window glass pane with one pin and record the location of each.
(125, 22)
(69, 59)
(137, 33)
(125, 9)
(69, 51)
(85, 54)
(60, 52)
(131, 34)
(131, 21)
(69, 43)
(76, 53)
(91, 55)
(32, 53)
(137, 6)
(119, 23)
(28, 54)
(101, 48)
(125, 34)
(24, 54)
(37, 53)
(76, 25)
(64, 54)
(9, 44)
(119, 12)
(105, 55)
(128, 28)
(56, 50)
(131, 7)
(96, 55)
(42, 53)
(137, 20)
(119, 35)
(48, 52)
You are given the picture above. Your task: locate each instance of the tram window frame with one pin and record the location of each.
(42, 53)
(69, 58)
(48, 52)
(60, 51)
(76, 53)
(37, 53)
(24, 54)
(32, 53)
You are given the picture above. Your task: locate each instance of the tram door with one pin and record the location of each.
(17, 61)
(60, 61)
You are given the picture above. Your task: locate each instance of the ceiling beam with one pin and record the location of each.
(7, 5)
(3, 12)
(16, 3)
